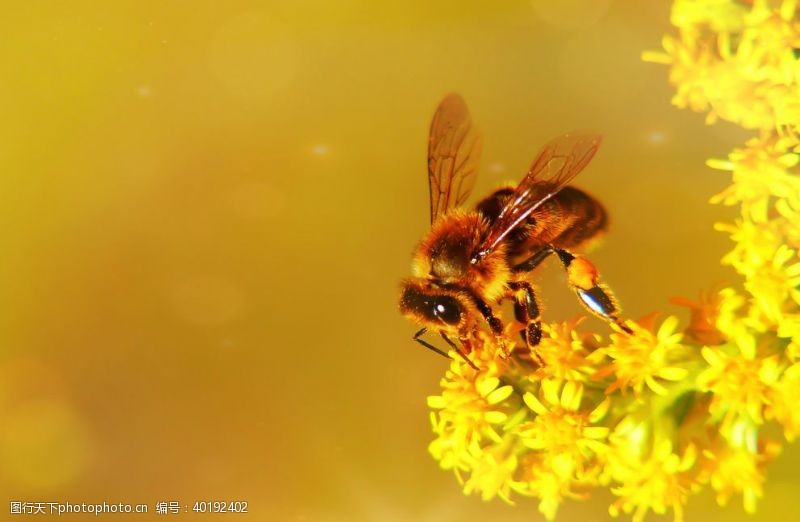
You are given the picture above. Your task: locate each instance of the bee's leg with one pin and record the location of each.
(533, 261)
(596, 297)
(457, 349)
(494, 323)
(526, 311)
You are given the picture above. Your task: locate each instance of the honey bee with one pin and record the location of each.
(472, 260)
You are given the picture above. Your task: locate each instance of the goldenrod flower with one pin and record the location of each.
(703, 317)
(720, 16)
(736, 62)
(568, 435)
(565, 352)
(659, 481)
(783, 401)
(776, 283)
(760, 171)
(738, 468)
(645, 358)
(739, 382)
(660, 413)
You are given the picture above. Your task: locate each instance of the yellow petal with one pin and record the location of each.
(689, 458)
(720, 164)
(656, 57)
(495, 417)
(550, 390)
(655, 386)
(601, 410)
(595, 432)
(747, 346)
(500, 394)
(486, 385)
(789, 160)
(673, 373)
(667, 327)
(712, 356)
(571, 395)
(534, 404)
(436, 402)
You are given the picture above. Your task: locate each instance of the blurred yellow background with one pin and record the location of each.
(207, 207)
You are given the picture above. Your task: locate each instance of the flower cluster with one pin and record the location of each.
(737, 61)
(658, 414)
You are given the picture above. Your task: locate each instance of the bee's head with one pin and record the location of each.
(431, 305)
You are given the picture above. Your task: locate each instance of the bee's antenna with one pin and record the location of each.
(458, 350)
(429, 346)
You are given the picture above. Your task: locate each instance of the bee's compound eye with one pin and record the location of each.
(447, 309)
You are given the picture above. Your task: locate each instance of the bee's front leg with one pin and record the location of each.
(585, 281)
(494, 323)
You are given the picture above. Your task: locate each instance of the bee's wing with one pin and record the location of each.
(454, 150)
(556, 165)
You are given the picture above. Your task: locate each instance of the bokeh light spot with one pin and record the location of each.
(497, 167)
(144, 91)
(657, 137)
(320, 149)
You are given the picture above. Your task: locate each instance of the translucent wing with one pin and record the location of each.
(556, 165)
(454, 149)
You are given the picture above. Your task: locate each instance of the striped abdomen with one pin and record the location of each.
(567, 220)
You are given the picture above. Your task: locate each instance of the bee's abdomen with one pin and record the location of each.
(582, 218)
(568, 220)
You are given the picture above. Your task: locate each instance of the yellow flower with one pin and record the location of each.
(783, 404)
(739, 382)
(661, 481)
(492, 474)
(789, 222)
(568, 436)
(717, 15)
(644, 358)
(734, 319)
(735, 61)
(550, 488)
(737, 469)
(775, 283)
(789, 328)
(565, 352)
(539, 481)
(755, 245)
(703, 317)
(470, 411)
(760, 171)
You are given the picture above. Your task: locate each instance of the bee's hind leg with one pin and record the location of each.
(533, 261)
(585, 281)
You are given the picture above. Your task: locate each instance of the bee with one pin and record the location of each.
(472, 260)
